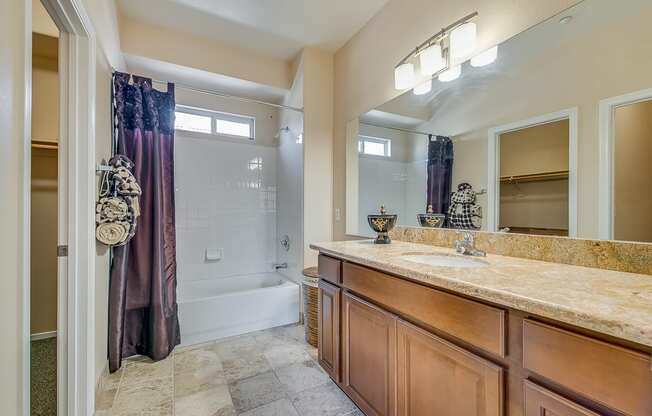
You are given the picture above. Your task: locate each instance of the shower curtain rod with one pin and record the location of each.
(399, 129)
(225, 95)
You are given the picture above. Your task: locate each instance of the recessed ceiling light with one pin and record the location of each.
(565, 20)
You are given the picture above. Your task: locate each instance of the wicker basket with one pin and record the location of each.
(310, 302)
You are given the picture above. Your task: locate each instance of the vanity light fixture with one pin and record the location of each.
(485, 58)
(437, 55)
(404, 76)
(463, 40)
(432, 60)
(423, 88)
(451, 74)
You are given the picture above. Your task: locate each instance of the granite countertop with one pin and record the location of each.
(609, 302)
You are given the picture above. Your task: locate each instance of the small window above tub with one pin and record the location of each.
(375, 146)
(215, 123)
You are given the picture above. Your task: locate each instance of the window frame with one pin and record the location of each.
(219, 115)
(387, 146)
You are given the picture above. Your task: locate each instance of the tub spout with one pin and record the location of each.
(280, 266)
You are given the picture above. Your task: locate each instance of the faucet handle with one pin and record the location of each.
(466, 235)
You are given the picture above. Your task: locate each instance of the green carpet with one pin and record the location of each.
(44, 377)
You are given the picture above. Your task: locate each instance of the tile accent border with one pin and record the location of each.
(622, 256)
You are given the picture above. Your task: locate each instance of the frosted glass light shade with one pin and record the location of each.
(431, 60)
(404, 76)
(462, 40)
(451, 74)
(423, 88)
(485, 58)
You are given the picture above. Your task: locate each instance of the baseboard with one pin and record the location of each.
(44, 335)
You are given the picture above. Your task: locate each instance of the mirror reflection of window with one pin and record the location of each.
(632, 172)
(375, 146)
(534, 179)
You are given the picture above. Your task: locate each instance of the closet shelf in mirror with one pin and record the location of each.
(41, 144)
(534, 177)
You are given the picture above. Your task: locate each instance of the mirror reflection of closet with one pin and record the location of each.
(534, 166)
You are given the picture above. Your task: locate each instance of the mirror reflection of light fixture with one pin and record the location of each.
(485, 58)
(451, 74)
(423, 88)
(463, 40)
(432, 60)
(404, 77)
(450, 46)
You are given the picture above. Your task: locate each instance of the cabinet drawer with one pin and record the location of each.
(542, 402)
(614, 376)
(478, 324)
(329, 269)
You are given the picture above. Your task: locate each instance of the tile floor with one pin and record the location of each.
(266, 373)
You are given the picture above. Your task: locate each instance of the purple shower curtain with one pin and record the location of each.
(142, 292)
(440, 173)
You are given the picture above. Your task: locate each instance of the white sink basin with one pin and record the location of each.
(443, 260)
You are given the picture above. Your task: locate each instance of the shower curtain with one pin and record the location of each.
(440, 173)
(142, 290)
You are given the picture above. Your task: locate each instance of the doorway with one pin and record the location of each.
(44, 213)
(532, 175)
(625, 168)
(70, 205)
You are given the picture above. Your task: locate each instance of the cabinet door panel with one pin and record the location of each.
(439, 378)
(369, 356)
(329, 329)
(541, 402)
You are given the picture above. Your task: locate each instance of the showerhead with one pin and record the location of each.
(281, 130)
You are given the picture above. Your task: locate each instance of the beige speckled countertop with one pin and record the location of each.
(609, 302)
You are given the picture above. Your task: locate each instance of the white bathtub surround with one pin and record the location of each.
(218, 308)
(225, 200)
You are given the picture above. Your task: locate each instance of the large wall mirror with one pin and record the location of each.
(552, 138)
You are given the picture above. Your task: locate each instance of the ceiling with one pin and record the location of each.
(195, 78)
(278, 28)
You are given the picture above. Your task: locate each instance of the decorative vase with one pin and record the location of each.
(430, 219)
(382, 224)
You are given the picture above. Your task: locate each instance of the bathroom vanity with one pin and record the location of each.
(404, 336)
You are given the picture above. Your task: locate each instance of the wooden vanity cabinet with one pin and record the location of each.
(369, 356)
(436, 377)
(399, 348)
(328, 343)
(542, 402)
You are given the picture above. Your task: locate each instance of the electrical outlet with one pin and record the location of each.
(338, 214)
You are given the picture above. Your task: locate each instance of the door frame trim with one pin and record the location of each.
(493, 164)
(76, 306)
(607, 141)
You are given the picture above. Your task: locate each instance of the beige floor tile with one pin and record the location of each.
(256, 391)
(143, 371)
(204, 403)
(104, 398)
(325, 400)
(245, 366)
(152, 396)
(281, 407)
(301, 376)
(285, 354)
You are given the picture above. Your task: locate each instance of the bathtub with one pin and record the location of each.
(218, 308)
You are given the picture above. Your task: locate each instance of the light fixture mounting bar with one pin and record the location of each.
(438, 36)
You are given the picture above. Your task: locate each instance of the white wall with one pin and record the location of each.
(289, 183)
(15, 80)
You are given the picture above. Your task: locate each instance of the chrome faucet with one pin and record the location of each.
(466, 245)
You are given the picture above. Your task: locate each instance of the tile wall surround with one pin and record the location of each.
(225, 199)
(609, 255)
